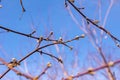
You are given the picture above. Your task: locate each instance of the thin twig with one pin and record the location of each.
(58, 59)
(23, 34)
(21, 3)
(44, 71)
(20, 33)
(4, 73)
(105, 62)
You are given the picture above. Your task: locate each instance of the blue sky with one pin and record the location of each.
(51, 15)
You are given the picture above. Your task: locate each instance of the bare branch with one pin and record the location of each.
(116, 40)
(109, 64)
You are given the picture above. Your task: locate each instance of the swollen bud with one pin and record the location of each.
(83, 35)
(48, 64)
(72, 1)
(95, 21)
(91, 71)
(111, 64)
(60, 39)
(77, 38)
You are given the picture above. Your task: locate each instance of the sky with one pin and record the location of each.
(52, 15)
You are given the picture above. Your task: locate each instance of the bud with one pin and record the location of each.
(72, 1)
(40, 39)
(90, 71)
(35, 78)
(14, 60)
(10, 65)
(95, 21)
(69, 78)
(48, 64)
(13, 63)
(111, 64)
(60, 39)
(83, 35)
(77, 38)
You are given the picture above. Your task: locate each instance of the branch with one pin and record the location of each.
(116, 40)
(39, 48)
(23, 34)
(56, 42)
(91, 71)
(16, 71)
(44, 71)
(105, 62)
